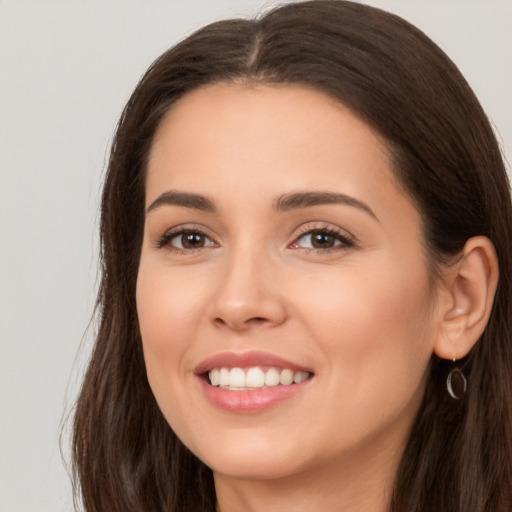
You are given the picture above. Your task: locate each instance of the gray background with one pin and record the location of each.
(66, 69)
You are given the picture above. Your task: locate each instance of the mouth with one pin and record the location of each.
(252, 381)
(254, 377)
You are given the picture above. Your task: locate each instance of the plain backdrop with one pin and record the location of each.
(66, 70)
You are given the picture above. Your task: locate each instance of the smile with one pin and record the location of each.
(252, 381)
(240, 379)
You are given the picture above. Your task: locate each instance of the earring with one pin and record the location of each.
(456, 383)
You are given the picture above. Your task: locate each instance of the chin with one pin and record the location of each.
(253, 468)
(246, 459)
(287, 457)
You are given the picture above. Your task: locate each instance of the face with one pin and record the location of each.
(284, 298)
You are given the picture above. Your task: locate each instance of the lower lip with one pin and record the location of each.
(253, 400)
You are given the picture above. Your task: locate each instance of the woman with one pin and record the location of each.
(305, 301)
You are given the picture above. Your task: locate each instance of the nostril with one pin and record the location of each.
(258, 320)
(219, 322)
(253, 321)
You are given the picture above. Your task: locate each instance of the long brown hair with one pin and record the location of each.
(458, 459)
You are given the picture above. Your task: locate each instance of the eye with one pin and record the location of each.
(322, 239)
(186, 239)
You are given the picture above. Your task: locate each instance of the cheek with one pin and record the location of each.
(167, 322)
(371, 324)
(375, 339)
(368, 300)
(168, 302)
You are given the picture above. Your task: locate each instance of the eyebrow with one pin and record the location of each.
(185, 199)
(299, 200)
(284, 203)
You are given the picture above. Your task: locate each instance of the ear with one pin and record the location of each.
(466, 299)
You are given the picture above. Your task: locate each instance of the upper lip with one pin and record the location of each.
(246, 359)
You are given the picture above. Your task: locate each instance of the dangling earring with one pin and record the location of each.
(456, 383)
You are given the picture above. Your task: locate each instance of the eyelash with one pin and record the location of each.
(165, 240)
(345, 240)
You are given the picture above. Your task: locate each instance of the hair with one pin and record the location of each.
(444, 155)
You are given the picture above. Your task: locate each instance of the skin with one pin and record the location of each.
(364, 315)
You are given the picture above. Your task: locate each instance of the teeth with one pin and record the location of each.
(238, 379)
(215, 377)
(286, 377)
(254, 378)
(224, 377)
(272, 377)
(300, 377)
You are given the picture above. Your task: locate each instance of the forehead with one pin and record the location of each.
(246, 108)
(249, 142)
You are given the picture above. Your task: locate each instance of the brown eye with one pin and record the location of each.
(322, 240)
(190, 240)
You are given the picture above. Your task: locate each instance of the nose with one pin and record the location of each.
(248, 294)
